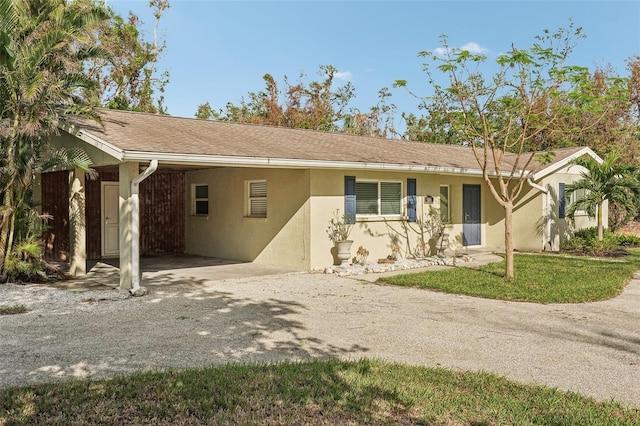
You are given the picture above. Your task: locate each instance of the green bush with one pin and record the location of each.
(26, 263)
(586, 240)
(628, 240)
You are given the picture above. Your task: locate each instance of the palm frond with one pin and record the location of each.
(67, 158)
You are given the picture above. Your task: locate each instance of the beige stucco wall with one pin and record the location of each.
(561, 228)
(378, 235)
(530, 212)
(527, 220)
(282, 238)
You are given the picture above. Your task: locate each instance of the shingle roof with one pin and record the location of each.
(149, 133)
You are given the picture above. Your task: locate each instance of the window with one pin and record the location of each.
(565, 200)
(444, 203)
(257, 198)
(201, 200)
(379, 198)
(575, 195)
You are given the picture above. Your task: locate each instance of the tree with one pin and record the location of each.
(128, 74)
(503, 117)
(377, 122)
(600, 182)
(598, 114)
(432, 127)
(318, 105)
(45, 44)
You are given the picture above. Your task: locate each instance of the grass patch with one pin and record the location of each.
(12, 310)
(538, 278)
(328, 392)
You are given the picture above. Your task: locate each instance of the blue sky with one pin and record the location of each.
(218, 51)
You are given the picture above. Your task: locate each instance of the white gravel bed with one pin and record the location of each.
(398, 265)
(48, 298)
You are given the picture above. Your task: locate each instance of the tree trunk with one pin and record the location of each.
(600, 227)
(508, 240)
(4, 232)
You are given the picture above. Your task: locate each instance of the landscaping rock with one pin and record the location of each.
(399, 265)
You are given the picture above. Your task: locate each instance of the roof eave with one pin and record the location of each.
(92, 140)
(290, 163)
(542, 173)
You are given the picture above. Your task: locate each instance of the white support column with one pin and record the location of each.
(127, 171)
(77, 223)
(136, 273)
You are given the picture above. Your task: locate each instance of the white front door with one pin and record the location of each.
(110, 216)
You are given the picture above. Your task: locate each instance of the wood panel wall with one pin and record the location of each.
(55, 203)
(162, 212)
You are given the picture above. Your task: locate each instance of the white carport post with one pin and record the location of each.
(77, 224)
(127, 172)
(135, 228)
(130, 224)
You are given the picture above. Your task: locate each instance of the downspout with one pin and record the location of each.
(135, 227)
(546, 213)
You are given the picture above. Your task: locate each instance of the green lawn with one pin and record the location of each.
(331, 392)
(13, 309)
(539, 278)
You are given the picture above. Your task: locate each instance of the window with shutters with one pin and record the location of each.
(378, 198)
(257, 198)
(200, 197)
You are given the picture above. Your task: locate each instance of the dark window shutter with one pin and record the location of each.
(561, 201)
(350, 198)
(411, 200)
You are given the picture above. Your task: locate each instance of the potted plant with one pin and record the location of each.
(338, 230)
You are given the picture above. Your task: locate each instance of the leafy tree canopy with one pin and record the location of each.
(318, 105)
(128, 75)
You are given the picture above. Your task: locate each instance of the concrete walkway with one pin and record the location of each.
(590, 348)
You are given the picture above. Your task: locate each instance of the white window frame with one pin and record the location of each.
(401, 200)
(447, 218)
(249, 210)
(195, 199)
(572, 199)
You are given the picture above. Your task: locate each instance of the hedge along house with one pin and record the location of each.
(266, 194)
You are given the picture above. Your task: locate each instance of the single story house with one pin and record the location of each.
(266, 194)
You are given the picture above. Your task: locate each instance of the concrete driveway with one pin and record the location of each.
(164, 271)
(591, 348)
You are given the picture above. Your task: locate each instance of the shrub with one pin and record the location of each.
(586, 240)
(628, 240)
(25, 262)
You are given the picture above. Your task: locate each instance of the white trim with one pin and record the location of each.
(248, 198)
(194, 199)
(93, 140)
(402, 201)
(565, 161)
(290, 163)
(103, 220)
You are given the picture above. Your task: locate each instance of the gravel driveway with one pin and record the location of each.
(591, 348)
